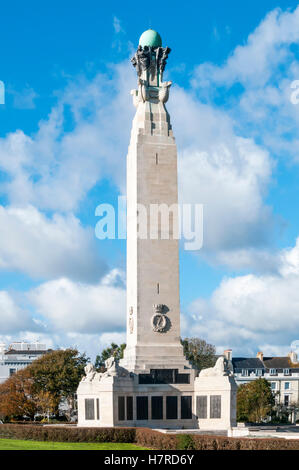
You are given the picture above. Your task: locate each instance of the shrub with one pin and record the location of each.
(185, 442)
(154, 439)
(66, 434)
(143, 437)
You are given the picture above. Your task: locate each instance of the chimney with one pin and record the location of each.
(228, 353)
(260, 355)
(293, 357)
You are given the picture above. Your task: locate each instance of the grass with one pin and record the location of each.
(16, 444)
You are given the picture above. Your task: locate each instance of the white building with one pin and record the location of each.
(281, 372)
(19, 355)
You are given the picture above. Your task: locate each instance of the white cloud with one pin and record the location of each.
(247, 312)
(254, 62)
(83, 140)
(80, 308)
(265, 67)
(117, 25)
(47, 247)
(23, 99)
(226, 173)
(12, 316)
(91, 344)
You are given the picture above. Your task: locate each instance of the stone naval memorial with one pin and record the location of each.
(154, 385)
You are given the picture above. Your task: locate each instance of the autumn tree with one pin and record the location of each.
(255, 401)
(59, 373)
(200, 353)
(113, 350)
(17, 396)
(45, 403)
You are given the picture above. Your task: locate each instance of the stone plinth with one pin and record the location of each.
(220, 394)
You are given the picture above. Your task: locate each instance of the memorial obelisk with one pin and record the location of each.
(153, 300)
(154, 385)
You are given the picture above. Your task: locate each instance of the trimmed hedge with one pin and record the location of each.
(144, 437)
(67, 434)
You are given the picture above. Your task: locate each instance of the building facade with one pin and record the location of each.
(281, 372)
(17, 356)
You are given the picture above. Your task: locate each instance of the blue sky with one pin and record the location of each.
(65, 129)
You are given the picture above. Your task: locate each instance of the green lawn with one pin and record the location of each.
(16, 444)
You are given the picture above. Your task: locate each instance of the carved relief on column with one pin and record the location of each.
(131, 320)
(160, 321)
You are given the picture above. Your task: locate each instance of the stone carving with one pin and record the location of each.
(113, 370)
(110, 363)
(159, 308)
(164, 91)
(131, 320)
(150, 64)
(90, 373)
(159, 320)
(150, 57)
(220, 369)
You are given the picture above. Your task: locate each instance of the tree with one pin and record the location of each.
(255, 401)
(45, 403)
(112, 350)
(43, 385)
(59, 374)
(17, 397)
(200, 353)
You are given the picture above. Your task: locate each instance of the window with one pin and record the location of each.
(244, 373)
(129, 408)
(89, 408)
(286, 371)
(259, 372)
(186, 407)
(273, 386)
(12, 371)
(287, 385)
(286, 400)
(215, 406)
(171, 407)
(202, 407)
(157, 407)
(121, 408)
(142, 408)
(273, 372)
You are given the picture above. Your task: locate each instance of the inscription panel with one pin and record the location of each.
(89, 408)
(164, 376)
(129, 408)
(202, 407)
(171, 407)
(186, 407)
(157, 407)
(121, 408)
(142, 408)
(215, 406)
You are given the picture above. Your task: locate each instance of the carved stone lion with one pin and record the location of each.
(90, 373)
(219, 370)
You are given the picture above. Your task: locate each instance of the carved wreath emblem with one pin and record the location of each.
(159, 320)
